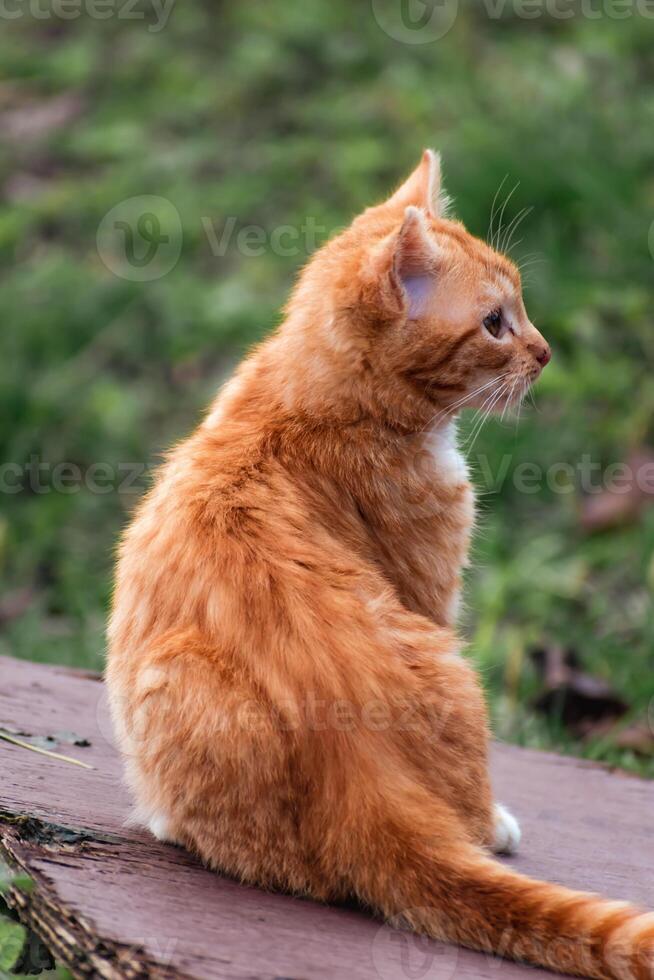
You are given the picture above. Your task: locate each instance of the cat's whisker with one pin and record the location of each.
(509, 399)
(477, 415)
(530, 392)
(481, 409)
(496, 240)
(486, 408)
(520, 392)
(512, 228)
(531, 258)
(500, 218)
(520, 402)
(487, 415)
(527, 265)
(452, 408)
(491, 223)
(461, 401)
(477, 391)
(532, 255)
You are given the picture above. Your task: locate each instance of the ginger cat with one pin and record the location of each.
(285, 675)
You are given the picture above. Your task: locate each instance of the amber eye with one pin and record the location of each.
(493, 323)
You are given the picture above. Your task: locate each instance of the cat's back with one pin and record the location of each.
(223, 508)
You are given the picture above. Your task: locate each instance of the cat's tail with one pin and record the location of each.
(490, 907)
(464, 896)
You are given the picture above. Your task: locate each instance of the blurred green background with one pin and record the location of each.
(269, 114)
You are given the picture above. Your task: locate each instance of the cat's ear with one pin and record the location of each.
(415, 262)
(422, 188)
(404, 267)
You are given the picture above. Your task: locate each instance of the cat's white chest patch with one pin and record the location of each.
(449, 462)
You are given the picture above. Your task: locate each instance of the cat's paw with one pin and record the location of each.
(158, 826)
(507, 831)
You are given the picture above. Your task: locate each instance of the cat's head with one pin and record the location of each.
(438, 312)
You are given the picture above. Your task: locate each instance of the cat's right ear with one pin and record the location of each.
(422, 188)
(404, 268)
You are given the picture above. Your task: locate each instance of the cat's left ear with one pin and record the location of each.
(422, 188)
(403, 269)
(415, 261)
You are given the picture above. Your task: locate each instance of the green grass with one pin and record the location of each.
(269, 113)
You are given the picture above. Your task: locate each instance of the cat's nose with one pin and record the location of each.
(541, 352)
(544, 355)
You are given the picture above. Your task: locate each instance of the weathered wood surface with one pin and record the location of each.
(112, 902)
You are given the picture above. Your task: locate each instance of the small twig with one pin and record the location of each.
(51, 755)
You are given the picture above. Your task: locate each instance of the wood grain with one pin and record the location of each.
(114, 903)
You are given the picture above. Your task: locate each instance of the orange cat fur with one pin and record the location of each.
(286, 679)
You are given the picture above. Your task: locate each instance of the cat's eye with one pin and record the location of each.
(493, 323)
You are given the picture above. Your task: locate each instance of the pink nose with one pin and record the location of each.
(544, 355)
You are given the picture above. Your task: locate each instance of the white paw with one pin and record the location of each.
(507, 831)
(158, 825)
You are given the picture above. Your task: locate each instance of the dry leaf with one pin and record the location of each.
(624, 497)
(14, 604)
(638, 737)
(36, 119)
(580, 700)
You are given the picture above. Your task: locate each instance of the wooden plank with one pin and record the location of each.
(113, 903)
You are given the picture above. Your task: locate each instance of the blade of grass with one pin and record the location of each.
(47, 752)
